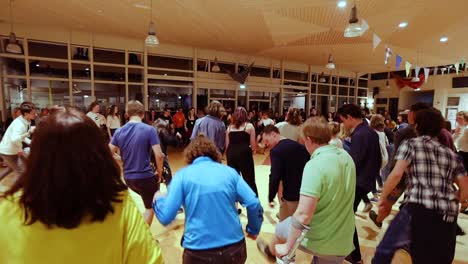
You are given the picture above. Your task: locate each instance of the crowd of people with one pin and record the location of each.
(69, 184)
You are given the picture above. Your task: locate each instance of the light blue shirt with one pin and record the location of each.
(208, 191)
(213, 128)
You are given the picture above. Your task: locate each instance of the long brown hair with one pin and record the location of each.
(240, 116)
(70, 173)
(112, 112)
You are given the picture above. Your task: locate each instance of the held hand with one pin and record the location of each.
(20, 153)
(158, 177)
(32, 129)
(157, 195)
(384, 209)
(253, 237)
(281, 250)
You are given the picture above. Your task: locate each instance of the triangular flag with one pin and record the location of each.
(364, 27)
(457, 67)
(416, 69)
(377, 41)
(398, 60)
(388, 53)
(426, 74)
(436, 71)
(408, 68)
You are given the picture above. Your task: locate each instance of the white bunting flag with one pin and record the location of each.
(388, 53)
(416, 69)
(408, 68)
(377, 41)
(457, 67)
(435, 71)
(426, 74)
(364, 27)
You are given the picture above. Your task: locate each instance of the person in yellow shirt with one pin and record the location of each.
(71, 205)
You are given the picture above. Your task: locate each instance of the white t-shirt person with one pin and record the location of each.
(95, 117)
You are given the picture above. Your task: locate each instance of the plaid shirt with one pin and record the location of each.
(432, 170)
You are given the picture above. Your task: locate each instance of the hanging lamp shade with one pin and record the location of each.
(330, 65)
(415, 79)
(354, 29)
(151, 39)
(215, 67)
(76, 90)
(13, 46)
(322, 78)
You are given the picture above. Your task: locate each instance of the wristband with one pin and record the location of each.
(298, 225)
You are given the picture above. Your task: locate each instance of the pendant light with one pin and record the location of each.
(322, 78)
(215, 67)
(330, 65)
(354, 29)
(12, 45)
(151, 39)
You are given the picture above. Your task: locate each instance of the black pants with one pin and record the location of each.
(435, 246)
(231, 254)
(361, 194)
(244, 165)
(429, 236)
(464, 156)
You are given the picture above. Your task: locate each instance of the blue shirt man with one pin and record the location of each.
(211, 126)
(136, 140)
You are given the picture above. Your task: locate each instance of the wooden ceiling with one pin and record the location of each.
(299, 30)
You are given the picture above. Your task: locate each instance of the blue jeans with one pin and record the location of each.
(396, 237)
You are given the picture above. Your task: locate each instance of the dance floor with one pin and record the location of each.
(169, 237)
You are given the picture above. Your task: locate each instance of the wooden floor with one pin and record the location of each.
(369, 235)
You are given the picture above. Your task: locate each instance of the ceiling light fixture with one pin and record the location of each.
(403, 24)
(38, 65)
(322, 78)
(443, 39)
(242, 86)
(341, 4)
(330, 65)
(215, 67)
(77, 91)
(180, 97)
(354, 29)
(415, 79)
(86, 69)
(151, 39)
(12, 45)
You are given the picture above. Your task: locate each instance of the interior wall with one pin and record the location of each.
(440, 84)
(57, 34)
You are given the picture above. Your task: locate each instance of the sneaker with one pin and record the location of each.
(349, 260)
(367, 208)
(373, 216)
(262, 246)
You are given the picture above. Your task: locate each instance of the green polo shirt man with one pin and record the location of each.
(330, 177)
(326, 202)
